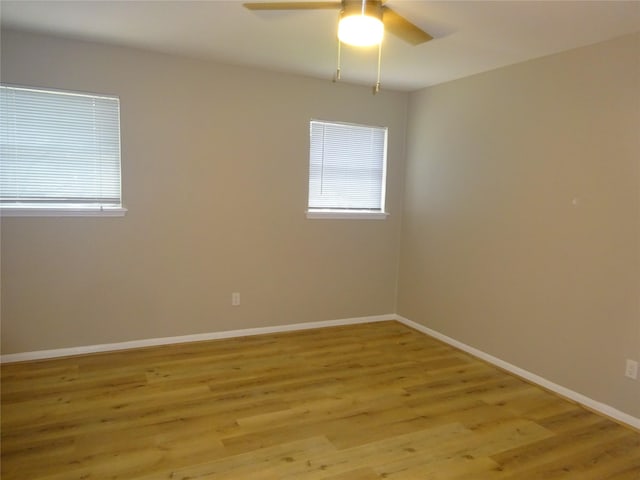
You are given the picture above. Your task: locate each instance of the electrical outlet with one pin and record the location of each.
(631, 370)
(235, 299)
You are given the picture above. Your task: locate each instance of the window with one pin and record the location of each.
(59, 153)
(347, 170)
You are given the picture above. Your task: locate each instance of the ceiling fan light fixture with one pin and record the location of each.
(361, 23)
(360, 30)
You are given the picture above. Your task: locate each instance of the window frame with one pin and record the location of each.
(78, 209)
(350, 213)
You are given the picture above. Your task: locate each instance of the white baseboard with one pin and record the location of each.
(583, 400)
(198, 337)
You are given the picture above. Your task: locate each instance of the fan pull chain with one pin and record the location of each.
(337, 77)
(376, 89)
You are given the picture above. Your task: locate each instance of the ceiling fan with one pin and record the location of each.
(371, 12)
(362, 23)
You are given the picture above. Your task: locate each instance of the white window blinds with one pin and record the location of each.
(58, 149)
(347, 168)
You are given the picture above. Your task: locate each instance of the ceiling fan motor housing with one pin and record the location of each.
(369, 8)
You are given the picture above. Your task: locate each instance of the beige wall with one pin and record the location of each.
(215, 165)
(494, 252)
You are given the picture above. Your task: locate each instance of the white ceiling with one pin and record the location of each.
(470, 36)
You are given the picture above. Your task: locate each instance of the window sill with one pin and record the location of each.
(62, 212)
(346, 215)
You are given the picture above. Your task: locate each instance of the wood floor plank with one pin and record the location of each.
(357, 402)
(359, 474)
(375, 454)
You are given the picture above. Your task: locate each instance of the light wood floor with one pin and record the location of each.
(363, 402)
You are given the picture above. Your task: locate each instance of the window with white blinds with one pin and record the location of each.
(59, 152)
(347, 168)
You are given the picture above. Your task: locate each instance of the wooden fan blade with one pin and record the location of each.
(403, 28)
(292, 5)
